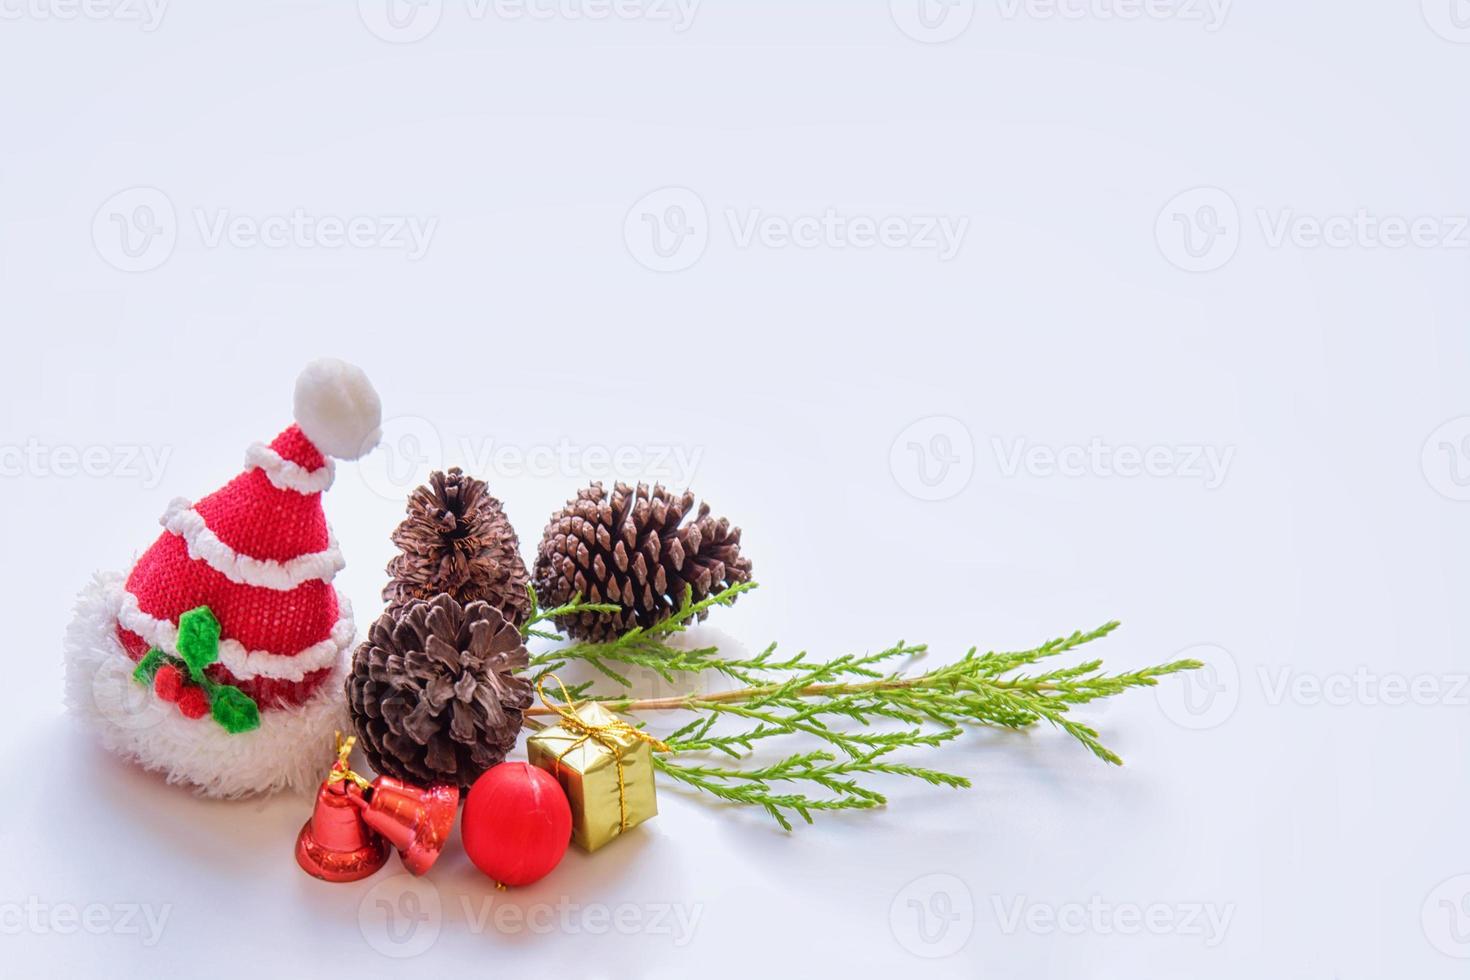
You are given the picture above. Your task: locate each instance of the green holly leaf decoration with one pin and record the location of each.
(148, 667)
(233, 709)
(198, 645)
(198, 640)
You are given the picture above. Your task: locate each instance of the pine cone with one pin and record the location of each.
(433, 693)
(631, 549)
(458, 540)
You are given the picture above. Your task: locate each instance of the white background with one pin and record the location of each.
(827, 389)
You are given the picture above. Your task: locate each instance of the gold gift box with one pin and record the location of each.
(608, 776)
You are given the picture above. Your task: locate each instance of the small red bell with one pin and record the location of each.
(335, 844)
(416, 821)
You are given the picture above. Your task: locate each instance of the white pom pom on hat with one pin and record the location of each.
(338, 409)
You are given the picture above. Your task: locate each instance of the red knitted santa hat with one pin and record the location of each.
(218, 659)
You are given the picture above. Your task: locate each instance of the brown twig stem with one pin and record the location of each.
(693, 702)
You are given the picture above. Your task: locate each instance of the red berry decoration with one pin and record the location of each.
(193, 702)
(517, 823)
(168, 683)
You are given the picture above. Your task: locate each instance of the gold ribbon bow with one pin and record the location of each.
(601, 734)
(341, 772)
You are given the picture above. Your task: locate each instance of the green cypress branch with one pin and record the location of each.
(836, 702)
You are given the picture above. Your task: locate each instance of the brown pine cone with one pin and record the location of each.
(633, 548)
(458, 540)
(433, 691)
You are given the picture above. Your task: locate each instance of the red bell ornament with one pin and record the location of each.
(335, 844)
(517, 823)
(417, 822)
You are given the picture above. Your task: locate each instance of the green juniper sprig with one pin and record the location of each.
(836, 702)
(642, 646)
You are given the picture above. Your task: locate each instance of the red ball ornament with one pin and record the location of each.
(516, 824)
(193, 702)
(168, 683)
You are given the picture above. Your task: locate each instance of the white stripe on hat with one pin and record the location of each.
(287, 475)
(204, 545)
(242, 663)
